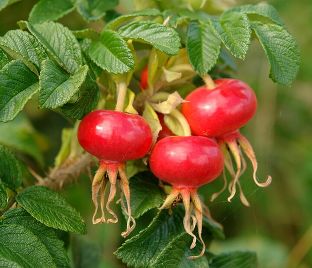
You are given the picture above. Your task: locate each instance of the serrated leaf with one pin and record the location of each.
(21, 248)
(203, 46)
(87, 99)
(152, 119)
(176, 254)
(46, 235)
(111, 53)
(164, 38)
(3, 196)
(141, 199)
(11, 173)
(57, 87)
(241, 259)
(47, 10)
(51, 209)
(5, 3)
(3, 59)
(86, 34)
(262, 9)
(22, 45)
(20, 135)
(95, 9)
(282, 51)
(17, 85)
(235, 32)
(123, 18)
(163, 229)
(60, 43)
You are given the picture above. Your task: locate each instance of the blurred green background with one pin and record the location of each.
(278, 225)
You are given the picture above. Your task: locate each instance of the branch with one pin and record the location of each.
(68, 172)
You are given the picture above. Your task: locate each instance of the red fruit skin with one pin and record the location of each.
(165, 131)
(144, 79)
(114, 136)
(186, 161)
(221, 110)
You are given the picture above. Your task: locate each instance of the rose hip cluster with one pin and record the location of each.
(215, 116)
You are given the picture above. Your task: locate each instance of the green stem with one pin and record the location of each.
(208, 81)
(121, 97)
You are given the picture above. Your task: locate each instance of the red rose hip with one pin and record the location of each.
(187, 162)
(113, 137)
(220, 111)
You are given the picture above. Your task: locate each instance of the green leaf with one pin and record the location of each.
(51, 209)
(17, 85)
(87, 99)
(111, 53)
(164, 38)
(3, 197)
(176, 254)
(21, 248)
(215, 229)
(121, 19)
(19, 135)
(60, 42)
(161, 231)
(46, 235)
(11, 173)
(203, 46)
(235, 32)
(282, 51)
(86, 33)
(47, 10)
(141, 199)
(95, 9)
(5, 3)
(262, 9)
(241, 259)
(22, 45)
(57, 87)
(3, 59)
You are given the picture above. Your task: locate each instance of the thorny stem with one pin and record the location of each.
(68, 172)
(121, 95)
(208, 81)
